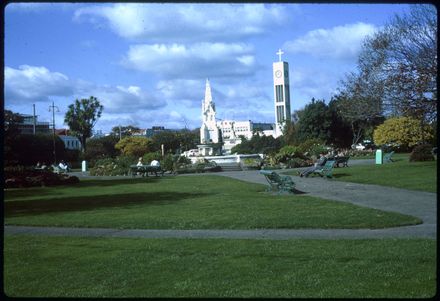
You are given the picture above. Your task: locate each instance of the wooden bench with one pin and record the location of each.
(326, 170)
(341, 160)
(278, 182)
(145, 169)
(387, 157)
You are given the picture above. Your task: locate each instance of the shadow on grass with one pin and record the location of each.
(113, 182)
(341, 175)
(16, 193)
(33, 207)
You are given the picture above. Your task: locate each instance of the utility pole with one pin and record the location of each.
(120, 134)
(34, 121)
(52, 108)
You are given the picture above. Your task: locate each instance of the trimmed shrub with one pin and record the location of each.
(422, 152)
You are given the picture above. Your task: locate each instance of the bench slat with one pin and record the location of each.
(278, 182)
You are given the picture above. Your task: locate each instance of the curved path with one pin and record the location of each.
(416, 203)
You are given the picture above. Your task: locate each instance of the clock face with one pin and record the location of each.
(278, 73)
(286, 74)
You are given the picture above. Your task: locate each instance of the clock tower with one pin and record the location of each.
(281, 90)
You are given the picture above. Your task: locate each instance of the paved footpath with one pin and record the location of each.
(416, 203)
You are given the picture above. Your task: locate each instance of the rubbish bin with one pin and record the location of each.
(84, 166)
(379, 156)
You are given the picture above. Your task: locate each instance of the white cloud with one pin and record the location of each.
(340, 42)
(198, 60)
(185, 22)
(35, 84)
(189, 91)
(306, 84)
(30, 84)
(121, 99)
(38, 7)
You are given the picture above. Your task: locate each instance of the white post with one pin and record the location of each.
(84, 166)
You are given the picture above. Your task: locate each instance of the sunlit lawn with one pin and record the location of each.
(43, 266)
(400, 174)
(196, 202)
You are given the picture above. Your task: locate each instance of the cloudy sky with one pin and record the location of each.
(148, 63)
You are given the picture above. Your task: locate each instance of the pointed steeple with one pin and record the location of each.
(208, 95)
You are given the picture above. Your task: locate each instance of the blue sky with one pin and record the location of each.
(148, 63)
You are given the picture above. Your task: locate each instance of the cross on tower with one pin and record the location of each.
(280, 53)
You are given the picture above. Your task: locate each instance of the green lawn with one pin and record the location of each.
(40, 266)
(400, 174)
(185, 202)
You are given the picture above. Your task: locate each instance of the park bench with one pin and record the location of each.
(326, 170)
(57, 169)
(387, 157)
(278, 182)
(341, 160)
(145, 169)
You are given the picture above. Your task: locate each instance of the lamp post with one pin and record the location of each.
(52, 108)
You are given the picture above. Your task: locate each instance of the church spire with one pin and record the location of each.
(208, 95)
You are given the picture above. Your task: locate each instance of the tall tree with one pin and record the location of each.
(403, 56)
(314, 121)
(82, 116)
(357, 104)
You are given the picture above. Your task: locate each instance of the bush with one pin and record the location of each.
(312, 146)
(100, 148)
(19, 177)
(113, 167)
(148, 157)
(252, 163)
(29, 149)
(405, 132)
(288, 153)
(134, 146)
(296, 162)
(422, 152)
(167, 162)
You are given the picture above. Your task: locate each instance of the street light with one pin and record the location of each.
(52, 108)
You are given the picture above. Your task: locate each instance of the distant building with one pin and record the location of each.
(140, 132)
(97, 134)
(155, 130)
(227, 132)
(70, 142)
(26, 126)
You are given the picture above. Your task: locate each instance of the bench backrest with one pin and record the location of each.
(329, 164)
(389, 154)
(271, 176)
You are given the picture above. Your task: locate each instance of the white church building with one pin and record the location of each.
(219, 137)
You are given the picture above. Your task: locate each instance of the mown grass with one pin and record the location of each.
(191, 202)
(41, 266)
(400, 174)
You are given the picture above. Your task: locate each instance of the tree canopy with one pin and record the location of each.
(134, 146)
(399, 64)
(403, 131)
(81, 116)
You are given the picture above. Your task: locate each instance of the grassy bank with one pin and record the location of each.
(192, 202)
